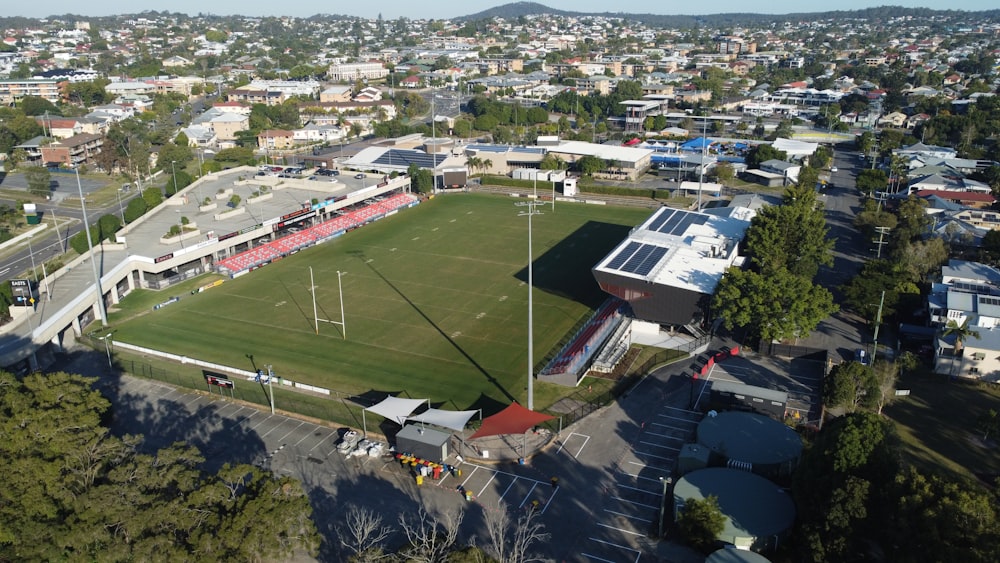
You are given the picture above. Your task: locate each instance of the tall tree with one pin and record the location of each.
(790, 236)
(700, 522)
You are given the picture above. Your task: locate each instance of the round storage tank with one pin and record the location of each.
(758, 513)
(436, 145)
(751, 441)
(736, 556)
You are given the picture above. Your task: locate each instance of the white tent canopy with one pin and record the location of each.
(396, 409)
(455, 420)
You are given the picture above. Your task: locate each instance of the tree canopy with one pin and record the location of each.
(74, 491)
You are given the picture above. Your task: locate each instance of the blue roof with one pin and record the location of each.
(697, 144)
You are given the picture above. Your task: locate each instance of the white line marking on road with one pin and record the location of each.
(622, 530)
(637, 452)
(648, 492)
(667, 436)
(615, 545)
(563, 443)
(549, 502)
(684, 410)
(659, 446)
(684, 420)
(499, 500)
(623, 515)
(268, 417)
(487, 485)
(596, 558)
(527, 496)
(637, 476)
(324, 439)
(634, 502)
(282, 439)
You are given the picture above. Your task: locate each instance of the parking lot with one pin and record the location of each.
(802, 379)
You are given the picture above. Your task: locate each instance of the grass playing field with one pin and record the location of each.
(435, 301)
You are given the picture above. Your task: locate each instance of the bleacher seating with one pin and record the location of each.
(587, 341)
(294, 241)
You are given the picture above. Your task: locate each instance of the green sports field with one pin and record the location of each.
(435, 300)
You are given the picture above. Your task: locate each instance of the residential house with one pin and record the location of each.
(175, 61)
(73, 151)
(788, 170)
(335, 94)
(968, 295)
(59, 127)
(276, 139)
(226, 125)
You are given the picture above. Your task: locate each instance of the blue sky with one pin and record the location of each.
(391, 9)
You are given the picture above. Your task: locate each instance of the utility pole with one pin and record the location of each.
(878, 322)
(882, 231)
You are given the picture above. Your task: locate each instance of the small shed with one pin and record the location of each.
(726, 395)
(425, 443)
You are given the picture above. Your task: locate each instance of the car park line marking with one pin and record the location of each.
(616, 545)
(487, 484)
(548, 503)
(320, 443)
(653, 467)
(683, 410)
(623, 515)
(667, 436)
(684, 420)
(471, 473)
(639, 452)
(634, 502)
(292, 430)
(527, 496)
(659, 446)
(596, 558)
(273, 428)
(254, 427)
(499, 500)
(307, 435)
(648, 492)
(622, 530)
(637, 476)
(563, 443)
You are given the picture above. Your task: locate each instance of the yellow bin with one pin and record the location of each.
(420, 480)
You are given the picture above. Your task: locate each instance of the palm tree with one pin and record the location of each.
(961, 332)
(474, 162)
(486, 165)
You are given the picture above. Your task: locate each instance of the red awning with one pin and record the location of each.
(514, 419)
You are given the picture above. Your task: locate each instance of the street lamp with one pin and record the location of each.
(666, 481)
(31, 254)
(530, 206)
(107, 348)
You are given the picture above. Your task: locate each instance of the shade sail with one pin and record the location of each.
(514, 419)
(455, 420)
(396, 409)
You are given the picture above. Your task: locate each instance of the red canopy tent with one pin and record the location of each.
(514, 419)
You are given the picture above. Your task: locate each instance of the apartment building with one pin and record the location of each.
(11, 91)
(350, 72)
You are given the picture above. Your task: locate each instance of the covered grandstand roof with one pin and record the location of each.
(381, 157)
(749, 437)
(606, 152)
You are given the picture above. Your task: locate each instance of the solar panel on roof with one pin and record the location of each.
(669, 225)
(637, 258)
(661, 218)
(651, 261)
(623, 255)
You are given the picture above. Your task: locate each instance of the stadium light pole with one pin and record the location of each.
(340, 289)
(107, 348)
(530, 206)
(312, 288)
(174, 173)
(102, 313)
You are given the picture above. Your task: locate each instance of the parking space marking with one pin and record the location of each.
(635, 503)
(490, 480)
(282, 439)
(320, 443)
(527, 496)
(648, 492)
(684, 410)
(622, 530)
(505, 491)
(659, 446)
(548, 502)
(570, 435)
(637, 476)
(684, 420)
(639, 452)
(596, 558)
(623, 515)
(265, 419)
(636, 551)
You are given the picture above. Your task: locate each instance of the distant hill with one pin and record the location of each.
(517, 9)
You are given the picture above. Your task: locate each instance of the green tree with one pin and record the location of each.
(589, 164)
(83, 493)
(763, 152)
(421, 181)
(34, 105)
(820, 158)
(700, 522)
(724, 172)
(850, 385)
(869, 181)
(790, 236)
(988, 423)
(775, 306)
(960, 333)
(39, 180)
(136, 208)
(153, 196)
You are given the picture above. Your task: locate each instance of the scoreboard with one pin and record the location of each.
(21, 291)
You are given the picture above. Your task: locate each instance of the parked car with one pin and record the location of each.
(833, 169)
(862, 357)
(359, 176)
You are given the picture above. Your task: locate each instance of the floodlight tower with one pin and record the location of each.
(530, 210)
(90, 248)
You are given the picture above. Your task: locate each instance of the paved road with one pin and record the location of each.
(844, 332)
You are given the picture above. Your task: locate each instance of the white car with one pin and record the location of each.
(833, 169)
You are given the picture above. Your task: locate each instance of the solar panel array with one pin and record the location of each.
(676, 222)
(398, 157)
(972, 288)
(637, 258)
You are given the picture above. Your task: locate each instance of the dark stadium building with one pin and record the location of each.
(668, 267)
